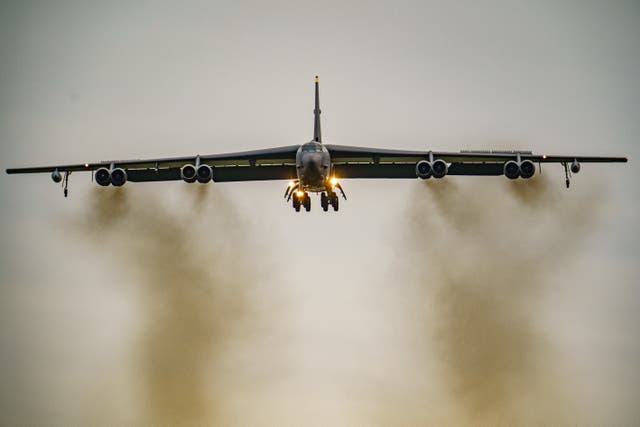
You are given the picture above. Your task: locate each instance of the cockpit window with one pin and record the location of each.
(312, 148)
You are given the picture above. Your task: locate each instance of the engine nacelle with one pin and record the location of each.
(188, 173)
(527, 169)
(118, 177)
(103, 177)
(56, 176)
(524, 169)
(204, 173)
(575, 166)
(423, 169)
(439, 168)
(511, 169)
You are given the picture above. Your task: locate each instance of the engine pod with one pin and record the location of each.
(204, 173)
(118, 177)
(423, 169)
(511, 169)
(188, 173)
(527, 169)
(103, 177)
(439, 168)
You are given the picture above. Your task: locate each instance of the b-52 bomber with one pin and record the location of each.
(315, 167)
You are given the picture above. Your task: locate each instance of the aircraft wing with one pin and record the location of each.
(362, 162)
(347, 161)
(272, 163)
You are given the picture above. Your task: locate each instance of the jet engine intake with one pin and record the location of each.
(103, 177)
(527, 169)
(439, 168)
(423, 169)
(188, 173)
(205, 173)
(511, 169)
(118, 177)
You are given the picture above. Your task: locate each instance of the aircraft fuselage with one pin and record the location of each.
(313, 166)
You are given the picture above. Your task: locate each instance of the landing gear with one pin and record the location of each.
(295, 192)
(302, 200)
(333, 200)
(324, 201)
(329, 199)
(65, 183)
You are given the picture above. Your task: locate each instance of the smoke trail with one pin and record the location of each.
(483, 255)
(192, 294)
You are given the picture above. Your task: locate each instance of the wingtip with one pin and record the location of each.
(317, 80)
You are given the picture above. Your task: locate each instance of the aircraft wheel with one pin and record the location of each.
(307, 202)
(296, 203)
(334, 202)
(324, 202)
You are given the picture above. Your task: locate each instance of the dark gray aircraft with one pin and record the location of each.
(317, 167)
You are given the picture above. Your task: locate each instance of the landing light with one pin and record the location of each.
(299, 193)
(333, 181)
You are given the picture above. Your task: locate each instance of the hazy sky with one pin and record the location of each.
(345, 318)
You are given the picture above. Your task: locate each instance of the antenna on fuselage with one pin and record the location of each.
(317, 135)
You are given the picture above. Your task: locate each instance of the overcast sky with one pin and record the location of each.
(329, 329)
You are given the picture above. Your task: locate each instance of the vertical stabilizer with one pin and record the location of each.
(317, 134)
